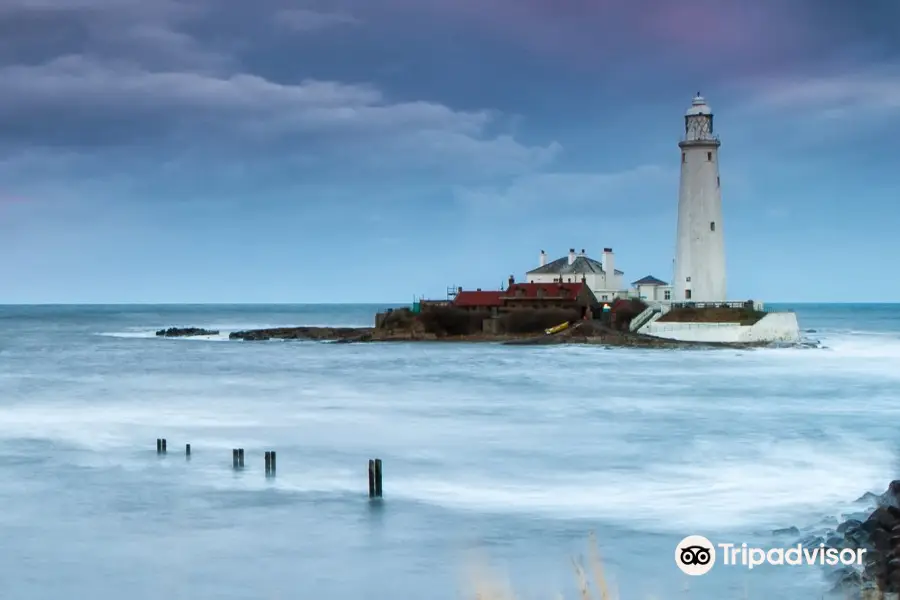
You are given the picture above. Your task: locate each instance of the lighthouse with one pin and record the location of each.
(700, 247)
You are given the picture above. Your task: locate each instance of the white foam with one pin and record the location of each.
(112, 426)
(779, 486)
(560, 432)
(868, 345)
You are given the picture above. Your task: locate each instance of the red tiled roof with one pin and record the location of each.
(478, 298)
(530, 290)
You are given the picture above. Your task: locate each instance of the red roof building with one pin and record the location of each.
(478, 299)
(569, 291)
(527, 295)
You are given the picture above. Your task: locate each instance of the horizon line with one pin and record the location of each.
(367, 303)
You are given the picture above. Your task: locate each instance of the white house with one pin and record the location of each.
(603, 279)
(651, 289)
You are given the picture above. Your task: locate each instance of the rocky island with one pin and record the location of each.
(449, 324)
(184, 332)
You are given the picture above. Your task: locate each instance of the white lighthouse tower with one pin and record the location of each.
(700, 247)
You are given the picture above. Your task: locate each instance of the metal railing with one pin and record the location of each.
(748, 304)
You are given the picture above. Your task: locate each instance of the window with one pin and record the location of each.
(683, 157)
(667, 295)
(718, 182)
(687, 294)
(709, 156)
(688, 279)
(712, 225)
(604, 297)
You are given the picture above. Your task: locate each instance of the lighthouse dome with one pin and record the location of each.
(698, 107)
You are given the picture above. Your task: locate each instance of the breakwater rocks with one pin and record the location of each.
(185, 332)
(876, 529)
(336, 334)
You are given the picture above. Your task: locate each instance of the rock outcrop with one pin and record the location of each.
(303, 333)
(185, 332)
(879, 534)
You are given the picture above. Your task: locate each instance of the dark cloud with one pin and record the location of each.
(134, 75)
(304, 85)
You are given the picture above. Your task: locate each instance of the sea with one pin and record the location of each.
(500, 463)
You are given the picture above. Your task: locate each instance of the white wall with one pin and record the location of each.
(700, 251)
(774, 327)
(653, 293)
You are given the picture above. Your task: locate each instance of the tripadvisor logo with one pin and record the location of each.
(696, 555)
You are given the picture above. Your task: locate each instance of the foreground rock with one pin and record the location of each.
(879, 535)
(185, 332)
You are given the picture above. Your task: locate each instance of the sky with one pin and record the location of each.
(375, 150)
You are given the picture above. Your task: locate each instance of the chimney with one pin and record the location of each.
(512, 280)
(543, 258)
(571, 255)
(582, 252)
(459, 290)
(609, 264)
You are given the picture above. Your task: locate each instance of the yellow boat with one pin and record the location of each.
(556, 329)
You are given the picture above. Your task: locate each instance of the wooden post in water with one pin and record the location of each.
(159, 445)
(241, 457)
(164, 445)
(371, 478)
(187, 450)
(268, 462)
(234, 458)
(378, 478)
(272, 455)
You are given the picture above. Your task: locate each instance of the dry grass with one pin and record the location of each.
(589, 576)
(721, 314)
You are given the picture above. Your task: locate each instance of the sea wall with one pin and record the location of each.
(774, 327)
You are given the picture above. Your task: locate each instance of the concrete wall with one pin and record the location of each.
(774, 327)
(700, 245)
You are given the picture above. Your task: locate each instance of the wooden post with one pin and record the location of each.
(272, 454)
(371, 478)
(164, 446)
(234, 458)
(159, 445)
(187, 450)
(378, 478)
(268, 462)
(241, 457)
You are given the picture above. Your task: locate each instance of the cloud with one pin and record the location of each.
(152, 33)
(589, 33)
(854, 94)
(88, 102)
(304, 20)
(642, 190)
